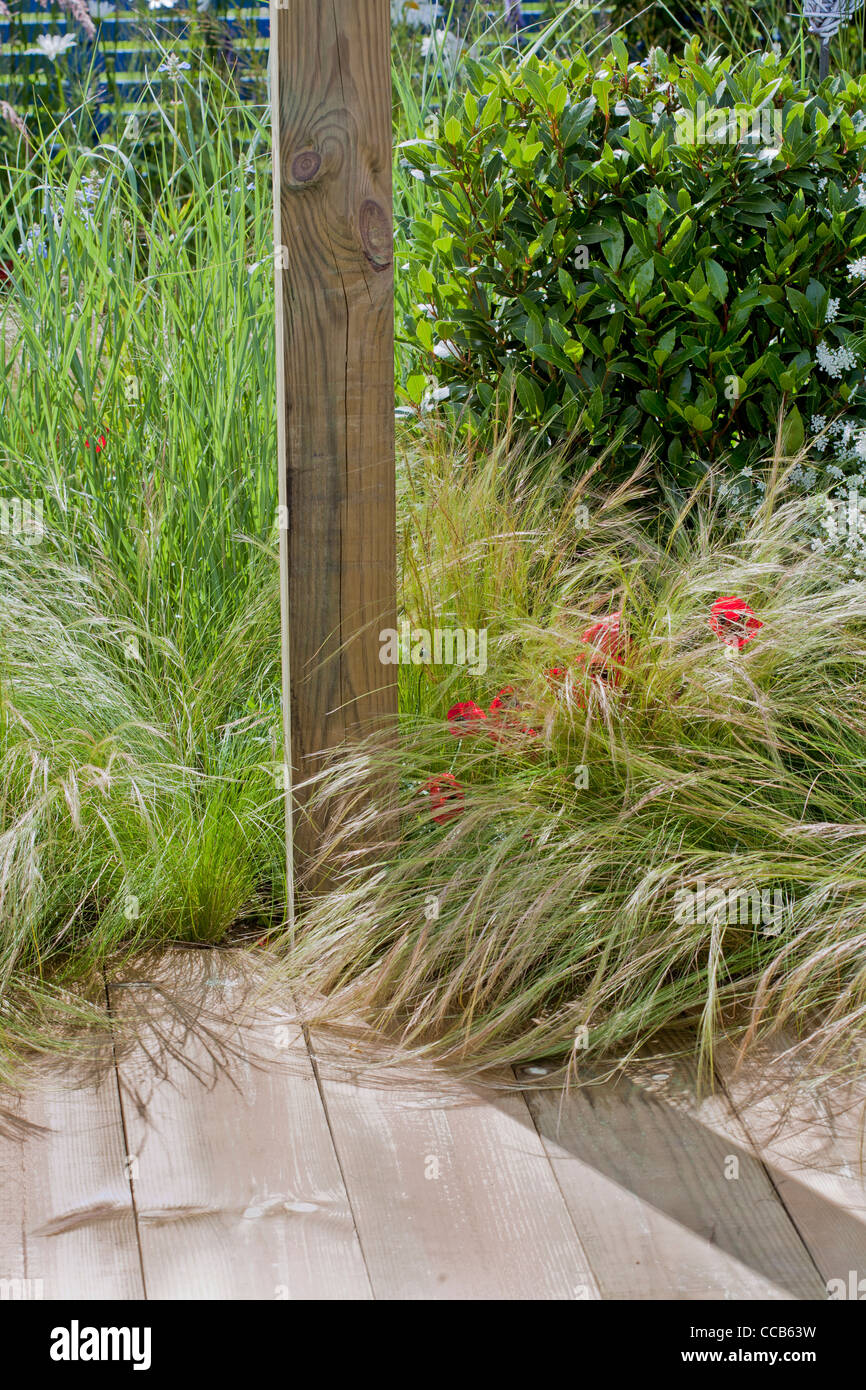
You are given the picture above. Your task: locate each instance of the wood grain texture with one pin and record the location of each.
(644, 1167)
(331, 84)
(811, 1138)
(66, 1215)
(238, 1191)
(453, 1194)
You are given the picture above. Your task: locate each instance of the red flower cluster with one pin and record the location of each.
(100, 443)
(734, 621)
(609, 649)
(468, 718)
(731, 619)
(556, 676)
(446, 797)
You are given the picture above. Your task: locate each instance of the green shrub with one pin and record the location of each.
(597, 247)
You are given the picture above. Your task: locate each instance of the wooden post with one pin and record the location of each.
(332, 123)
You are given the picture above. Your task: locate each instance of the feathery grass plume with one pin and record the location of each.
(683, 844)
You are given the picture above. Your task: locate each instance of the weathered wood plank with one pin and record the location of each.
(648, 1172)
(238, 1190)
(66, 1214)
(452, 1191)
(331, 84)
(811, 1138)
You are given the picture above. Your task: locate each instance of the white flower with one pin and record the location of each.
(444, 350)
(861, 194)
(835, 361)
(857, 269)
(52, 45)
(832, 311)
(817, 423)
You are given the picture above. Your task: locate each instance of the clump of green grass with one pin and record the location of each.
(549, 918)
(139, 603)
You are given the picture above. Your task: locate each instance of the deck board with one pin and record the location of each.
(642, 1163)
(453, 1193)
(263, 1166)
(66, 1216)
(238, 1189)
(812, 1141)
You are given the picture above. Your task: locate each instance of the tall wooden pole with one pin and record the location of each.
(332, 121)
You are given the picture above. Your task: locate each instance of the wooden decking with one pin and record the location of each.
(229, 1155)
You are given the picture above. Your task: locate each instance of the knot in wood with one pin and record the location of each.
(374, 225)
(305, 166)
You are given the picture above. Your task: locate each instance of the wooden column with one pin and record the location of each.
(332, 109)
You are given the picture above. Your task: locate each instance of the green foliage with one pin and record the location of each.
(644, 251)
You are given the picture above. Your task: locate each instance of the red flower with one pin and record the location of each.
(556, 675)
(734, 621)
(609, 649)
(506, 699)
(446, 797)
(466, 718)
(100, 443)
(5, 268)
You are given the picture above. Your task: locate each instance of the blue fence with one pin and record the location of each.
(111, 71)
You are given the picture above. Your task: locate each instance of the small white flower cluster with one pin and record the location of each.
(836, 360)
(857, 269)
(841, 527)
(801, 476)
(848, 439)
(832, 311)
(837, 495)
